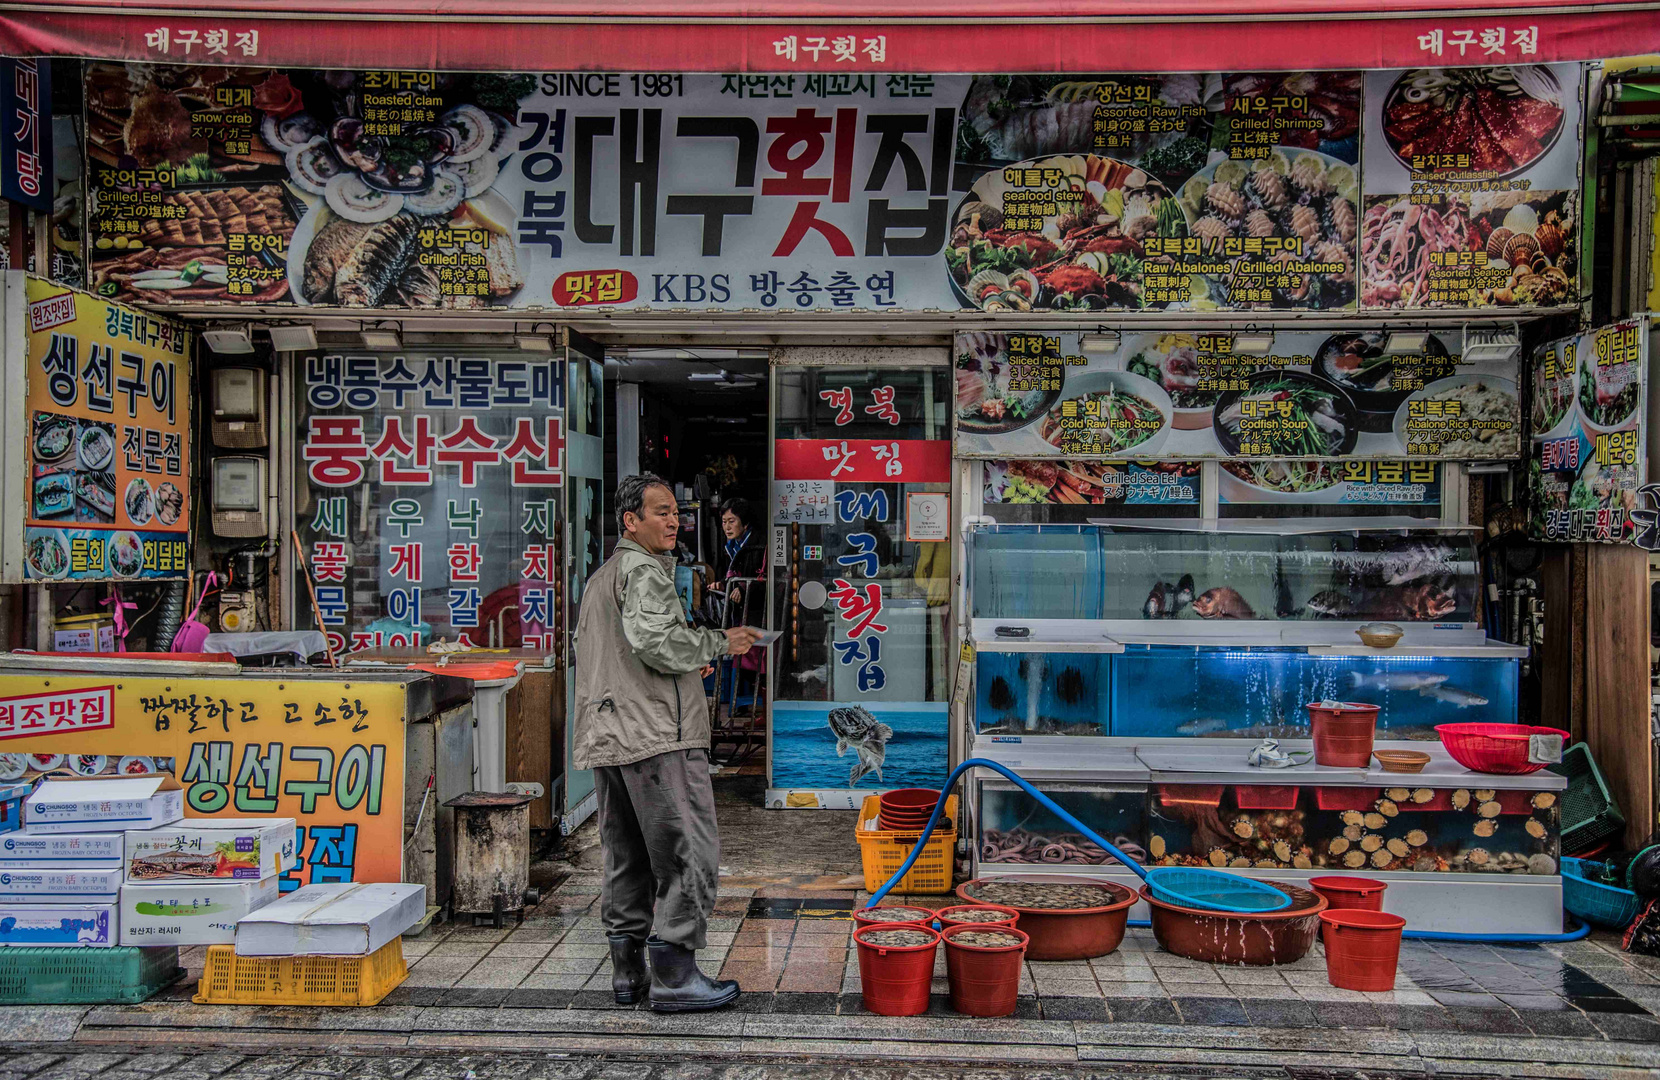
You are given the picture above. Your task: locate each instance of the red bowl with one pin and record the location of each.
(914, 798)
(1494, 748)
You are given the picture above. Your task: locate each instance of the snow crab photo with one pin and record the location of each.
(1076, 244)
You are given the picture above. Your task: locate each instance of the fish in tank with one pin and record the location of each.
(1034, 693)
(1418, 829)
(1162, 691)
(1015, 828)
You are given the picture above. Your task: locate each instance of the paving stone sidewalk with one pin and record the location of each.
(1577, 1009)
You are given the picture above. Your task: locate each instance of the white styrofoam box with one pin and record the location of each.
(210, 848)
(103, 804)
(99, 849)
(190, 913)
(332, 920)
(50, 884)
(92, 925)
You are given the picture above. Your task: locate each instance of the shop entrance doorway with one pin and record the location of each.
(698, 418)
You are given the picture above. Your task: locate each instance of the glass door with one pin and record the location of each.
(584, 535)
(861, 565)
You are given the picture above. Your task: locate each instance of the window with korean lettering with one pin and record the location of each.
(433, 497)
(864, 438)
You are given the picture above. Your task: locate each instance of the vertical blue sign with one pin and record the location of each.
(26, 132)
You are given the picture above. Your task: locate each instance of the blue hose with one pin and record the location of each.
(1281, 899)
(1049, 804)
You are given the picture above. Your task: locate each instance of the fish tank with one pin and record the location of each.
(1364, 829)
(1219, 692)
(1404, 571)
(1015, 828)
(1041, 693)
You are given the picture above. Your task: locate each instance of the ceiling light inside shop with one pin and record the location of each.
(1101, 343)
(383, 338)
(1406, 342)
(1253, 342)
(298, 338)
(708, 376)
(228, 340)
(1491, 346)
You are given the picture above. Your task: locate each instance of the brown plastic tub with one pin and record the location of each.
(1216, 937)
(1065, 933)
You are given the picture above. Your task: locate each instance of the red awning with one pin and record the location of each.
(820, 35)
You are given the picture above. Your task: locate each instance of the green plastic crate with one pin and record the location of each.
(122, 975)
(1589, 813)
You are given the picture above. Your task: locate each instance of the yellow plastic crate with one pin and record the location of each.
(229, 979)
(885, 852)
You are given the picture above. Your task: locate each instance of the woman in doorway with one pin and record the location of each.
(743, 557)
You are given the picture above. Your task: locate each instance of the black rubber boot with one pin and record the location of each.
(628, 968)
(678, 985)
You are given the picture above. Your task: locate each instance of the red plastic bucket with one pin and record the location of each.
(1349, 894)
(873, 916)
(1362, 948)
(985, 980)
(1343, 733)
(948, 917)
(895, 979)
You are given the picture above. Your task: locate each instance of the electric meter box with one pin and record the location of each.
(238, 496)
(239, 410)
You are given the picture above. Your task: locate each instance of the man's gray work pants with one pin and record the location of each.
(662, 850)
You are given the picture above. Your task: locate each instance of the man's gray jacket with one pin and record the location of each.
(638, 688)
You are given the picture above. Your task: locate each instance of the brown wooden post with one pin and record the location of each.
(1617, 680)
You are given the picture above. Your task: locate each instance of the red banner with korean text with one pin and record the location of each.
(867, 461)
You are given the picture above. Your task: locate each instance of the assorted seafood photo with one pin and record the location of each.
(322, 188)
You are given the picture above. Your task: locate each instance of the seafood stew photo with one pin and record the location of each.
(1286, 414)
(1062, 233)
(1495, 121)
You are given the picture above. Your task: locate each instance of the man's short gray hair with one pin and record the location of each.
(631, 496)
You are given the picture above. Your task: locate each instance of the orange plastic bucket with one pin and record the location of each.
(985, 980)
(1343, 733)
(1349, 894)
(1362, 948)
(895, 979)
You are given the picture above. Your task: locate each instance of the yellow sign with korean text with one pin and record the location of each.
(107, 421)
(328, 753)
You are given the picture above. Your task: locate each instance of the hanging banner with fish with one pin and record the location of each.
(1589, 460)
(798, 192)
(107, 410)
(1472, 187)
(1312, 395)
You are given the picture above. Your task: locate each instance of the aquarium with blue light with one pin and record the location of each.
(1223, 692)
(1042, 693)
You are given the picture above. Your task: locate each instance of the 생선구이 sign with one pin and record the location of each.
(837, 191)
(329, 755)
(106, 411)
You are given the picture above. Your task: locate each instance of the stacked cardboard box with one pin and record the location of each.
(189, 882)
(61, 874)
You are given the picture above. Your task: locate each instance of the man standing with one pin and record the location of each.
(642, 725)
